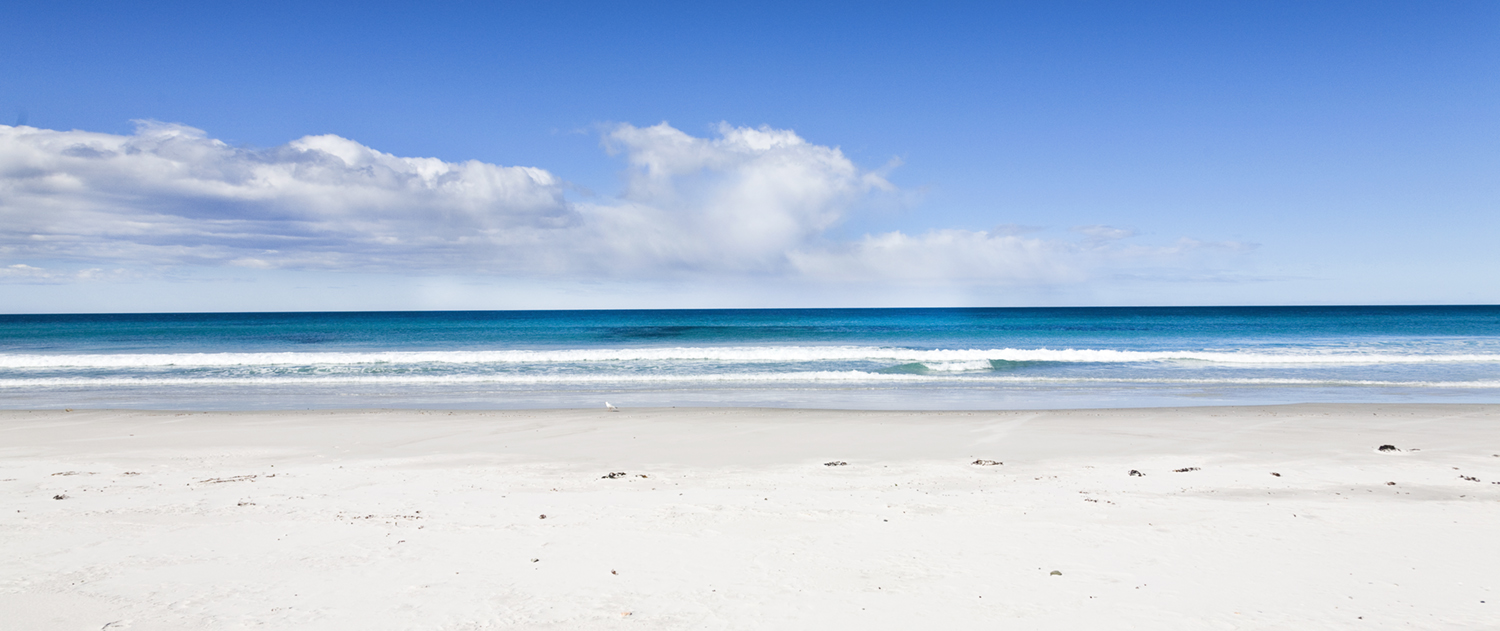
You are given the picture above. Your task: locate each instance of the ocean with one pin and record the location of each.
(928, 359)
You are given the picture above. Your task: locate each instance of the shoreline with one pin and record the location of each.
(732, 518)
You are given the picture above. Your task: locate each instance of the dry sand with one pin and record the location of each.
(730, 519)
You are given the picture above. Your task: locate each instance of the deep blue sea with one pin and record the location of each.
(826, 358)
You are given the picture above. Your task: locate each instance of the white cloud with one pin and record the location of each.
(23, 273)
(738, 202)
(1102, 234)
(952, 255)
(169, 194)
(756, 201)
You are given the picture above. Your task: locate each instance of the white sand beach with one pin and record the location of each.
(1282, 517)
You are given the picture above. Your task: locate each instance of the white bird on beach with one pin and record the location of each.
(610, 407)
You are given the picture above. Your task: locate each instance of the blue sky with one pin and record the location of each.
(466, 155)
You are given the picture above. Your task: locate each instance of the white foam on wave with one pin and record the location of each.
(969, 366)
(809, 378)
(933, 359)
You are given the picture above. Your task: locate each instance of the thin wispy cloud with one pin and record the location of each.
(29, 274)
(747, 201)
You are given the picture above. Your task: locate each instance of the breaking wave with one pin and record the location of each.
(958, 360)
(811, 377)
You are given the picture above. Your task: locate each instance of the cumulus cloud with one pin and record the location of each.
(741, 201)
(169, 194)
(757, 201)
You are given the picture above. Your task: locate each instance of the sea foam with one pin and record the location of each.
(934, 360)
(846, 376)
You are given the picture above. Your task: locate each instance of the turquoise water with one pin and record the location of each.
(845, 358)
